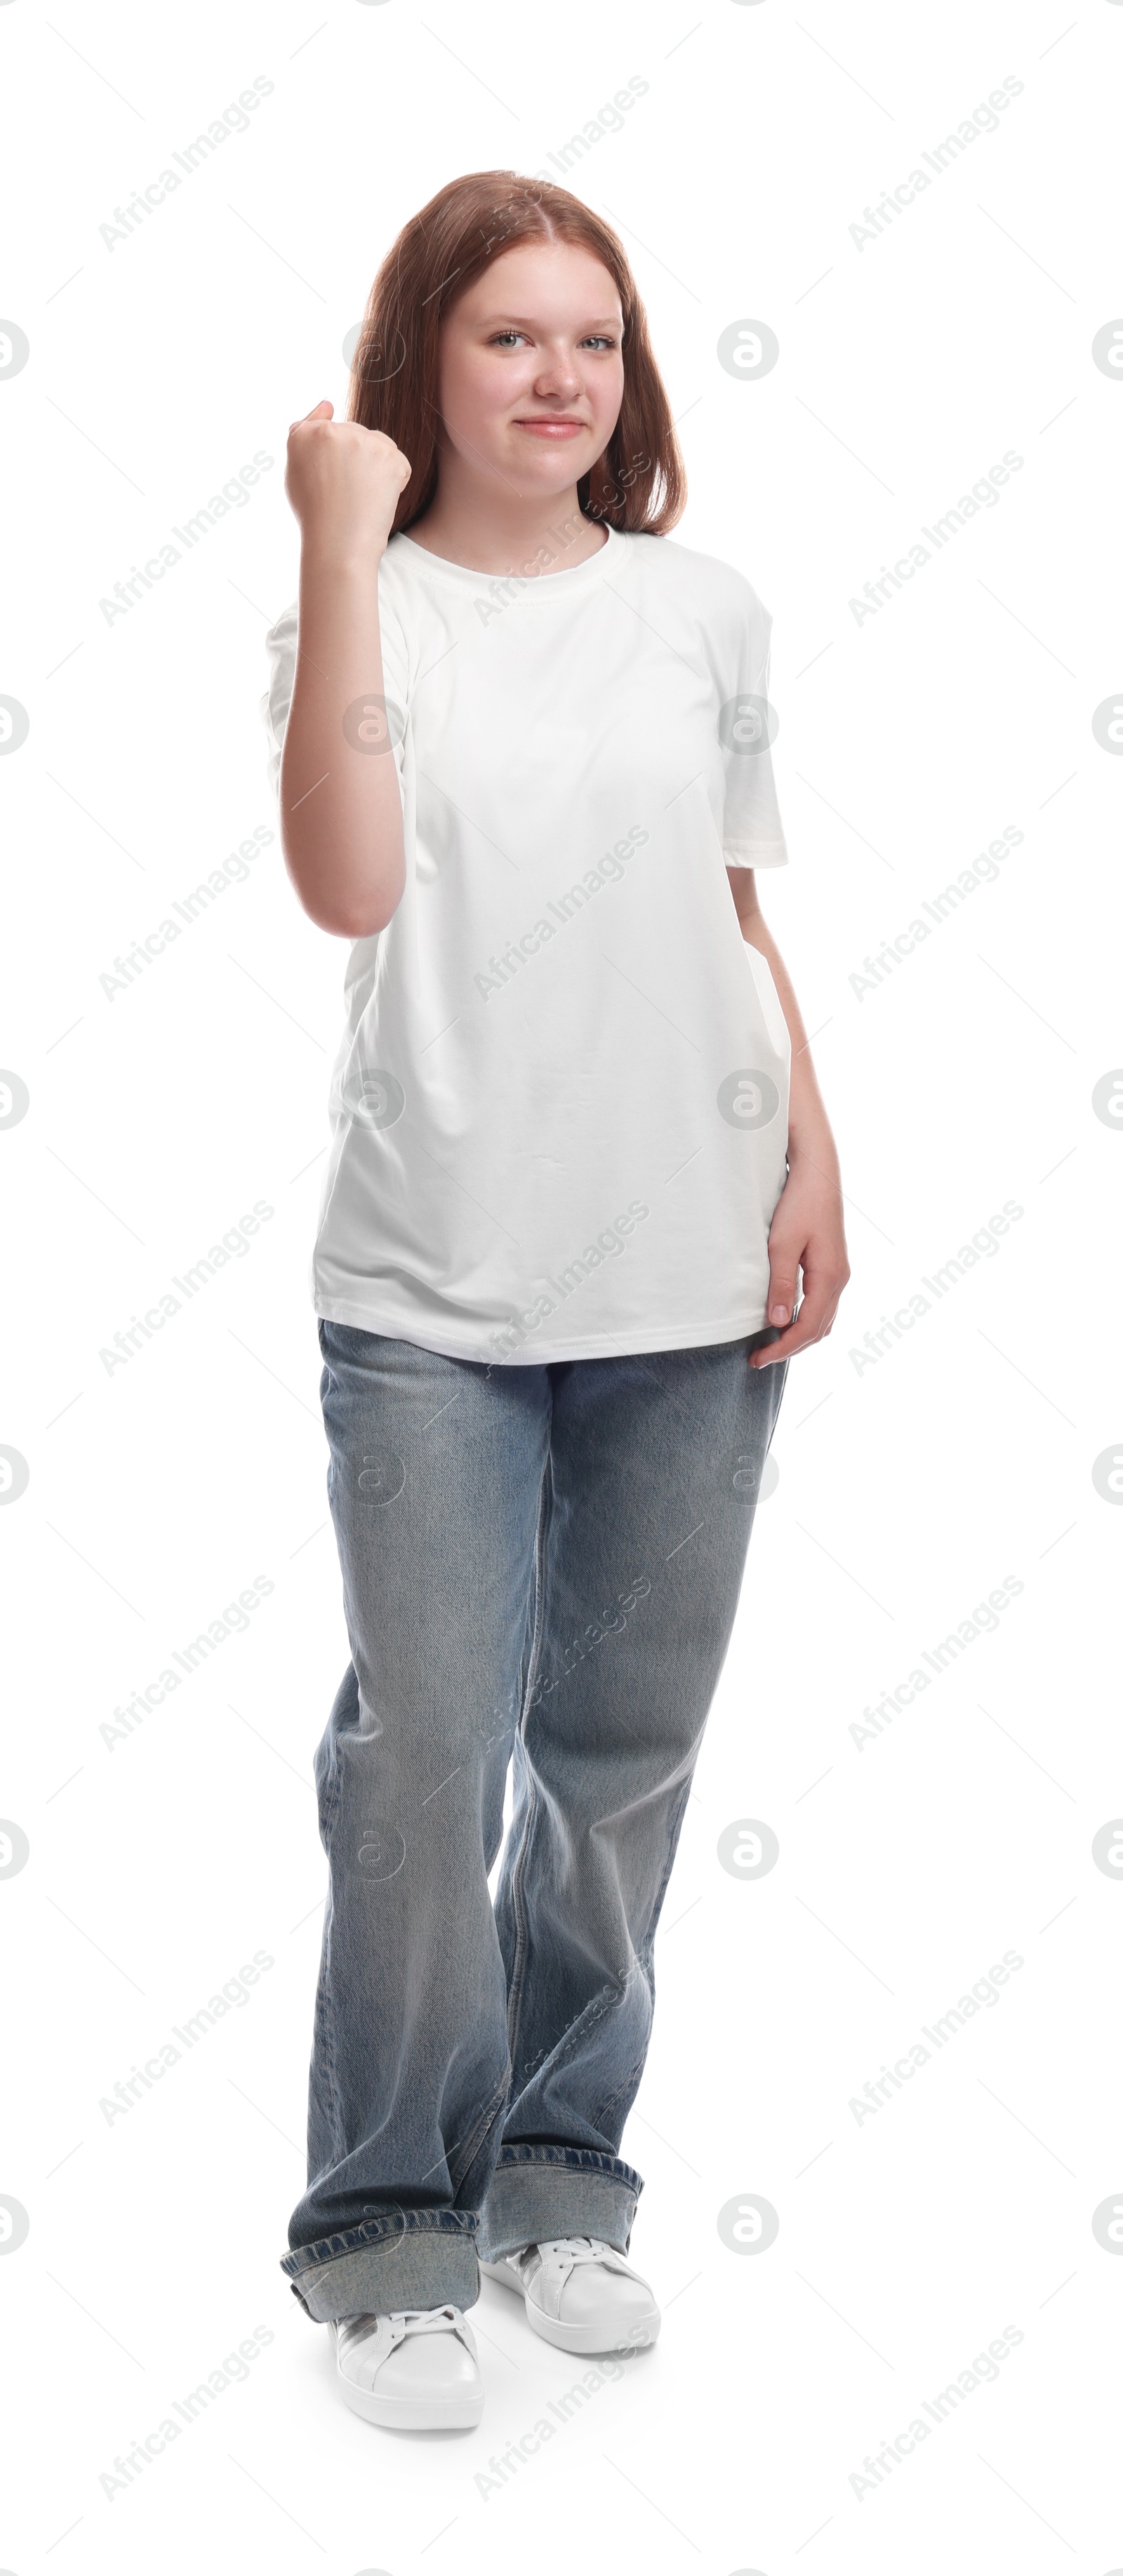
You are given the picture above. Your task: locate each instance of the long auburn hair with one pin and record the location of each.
(639, 484)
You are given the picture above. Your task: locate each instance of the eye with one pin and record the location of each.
(603, 339)
(500, 336)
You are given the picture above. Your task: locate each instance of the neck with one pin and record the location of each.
(506, 531)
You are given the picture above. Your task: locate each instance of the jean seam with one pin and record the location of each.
(478, 2136)
(323, 1995)
(518, 1873)
(672, 1854)
(643, 1955)
(545, 2151)
(426, 2222)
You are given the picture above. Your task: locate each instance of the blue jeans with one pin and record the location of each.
(539, 1564)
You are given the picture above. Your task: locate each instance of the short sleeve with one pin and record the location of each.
(753, 834)
(280, 647)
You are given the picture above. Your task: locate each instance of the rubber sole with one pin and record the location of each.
(412, 2415)
(576, 2338)
(456, 2413)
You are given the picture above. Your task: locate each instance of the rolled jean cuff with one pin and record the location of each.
(540, 2192)
(412, 2258)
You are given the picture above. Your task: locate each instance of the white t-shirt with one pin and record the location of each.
(559, 1106)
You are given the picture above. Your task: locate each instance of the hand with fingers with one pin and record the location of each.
(343, 483)
(807, 1233)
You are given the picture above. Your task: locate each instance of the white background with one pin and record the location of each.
(908, 1488)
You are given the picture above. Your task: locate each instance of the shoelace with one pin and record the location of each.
(574, 2249)
(356, 2330)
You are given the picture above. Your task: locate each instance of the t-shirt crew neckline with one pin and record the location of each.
(468, 577)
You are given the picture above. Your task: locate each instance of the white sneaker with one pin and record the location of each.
(580, 2294)
(416, 2371)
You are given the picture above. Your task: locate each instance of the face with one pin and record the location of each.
(531, 369)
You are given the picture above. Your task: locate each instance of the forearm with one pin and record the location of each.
(809, 1130)
(341, 813)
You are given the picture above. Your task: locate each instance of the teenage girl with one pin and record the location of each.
(579, 1162)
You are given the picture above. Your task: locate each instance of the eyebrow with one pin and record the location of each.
(526, 321)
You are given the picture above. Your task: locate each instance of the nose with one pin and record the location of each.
(559, 377)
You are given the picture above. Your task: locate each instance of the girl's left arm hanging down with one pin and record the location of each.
(807, 1231)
